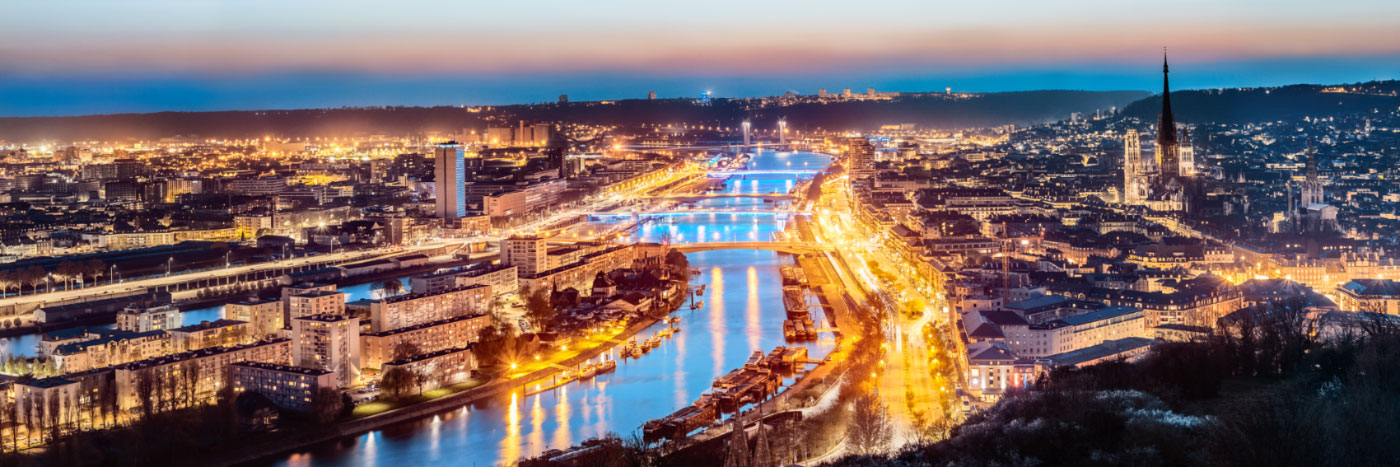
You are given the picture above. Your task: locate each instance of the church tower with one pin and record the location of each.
(1132, 168)
(1186, 153)
(1168, 159)
(1312, 186)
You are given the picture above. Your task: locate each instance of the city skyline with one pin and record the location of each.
(157, 56)
(749, 234)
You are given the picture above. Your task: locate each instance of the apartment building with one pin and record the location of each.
(263, 315)
(1370, 295)
(289, 387)
(206, 366)
(109, 348)
(378, 347)
(300, 289)
(315, 302)
(206, 334)
(137, 318)
(329, 342)
(530, 255)
(502, 279)
(444, 367)
(391, 313)
(1081, 331)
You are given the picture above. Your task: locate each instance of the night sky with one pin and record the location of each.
(82, 57)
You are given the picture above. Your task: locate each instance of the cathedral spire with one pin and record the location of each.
(1166, 123)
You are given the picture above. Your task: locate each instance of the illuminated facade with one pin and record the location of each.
(328, 342)
(289, 387)
(450, 183)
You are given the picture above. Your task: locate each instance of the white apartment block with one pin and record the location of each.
(328, 342)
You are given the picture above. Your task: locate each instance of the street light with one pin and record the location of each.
(169, 262)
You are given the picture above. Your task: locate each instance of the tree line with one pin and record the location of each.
(68, 272)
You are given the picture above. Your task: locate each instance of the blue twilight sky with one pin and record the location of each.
(85, 56)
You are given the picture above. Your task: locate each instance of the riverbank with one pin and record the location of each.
(497, 387)
(812, 385)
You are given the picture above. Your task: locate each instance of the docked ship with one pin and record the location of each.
(760, 377)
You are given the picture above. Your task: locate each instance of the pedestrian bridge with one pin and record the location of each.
(785, 247)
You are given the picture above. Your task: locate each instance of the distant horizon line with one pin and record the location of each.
(838, 93)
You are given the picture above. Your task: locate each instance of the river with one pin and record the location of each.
(742, 313)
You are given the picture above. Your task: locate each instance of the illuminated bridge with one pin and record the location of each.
(731, 173)
(785, 247)
(622, 216)
(702, 197)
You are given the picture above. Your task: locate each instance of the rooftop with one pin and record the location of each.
(256, 301)
(283, 368)
(1097, 352)
(325, 318)
(45, 383)
(318, 293)
(425, 325)
(107, 337)
(404, 361)
(1372, 287)
(1042, 301)
(1100, 315)
(193, 354)
(203, 325)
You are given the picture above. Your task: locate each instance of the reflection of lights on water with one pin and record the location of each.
(751, 309)
(717, 318)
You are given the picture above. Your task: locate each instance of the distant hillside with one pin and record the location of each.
(1270, 104)
(927, 111)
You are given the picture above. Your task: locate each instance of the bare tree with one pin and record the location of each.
(95, 269)
(326, 405)
(396, 381)
(66, 270)
(146, 391)
(7, 280)
(191, 377)
(53, 416)
(33, 275)
(404, 350)
(870, 428)
(421, 378)
(737, 446)
(7, 423)
(392, 287)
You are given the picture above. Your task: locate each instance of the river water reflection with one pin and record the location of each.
(742, 313)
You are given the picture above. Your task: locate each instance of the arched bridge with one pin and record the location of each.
(785, 247)
(702, 197)
(731, 173)
(618, 216)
